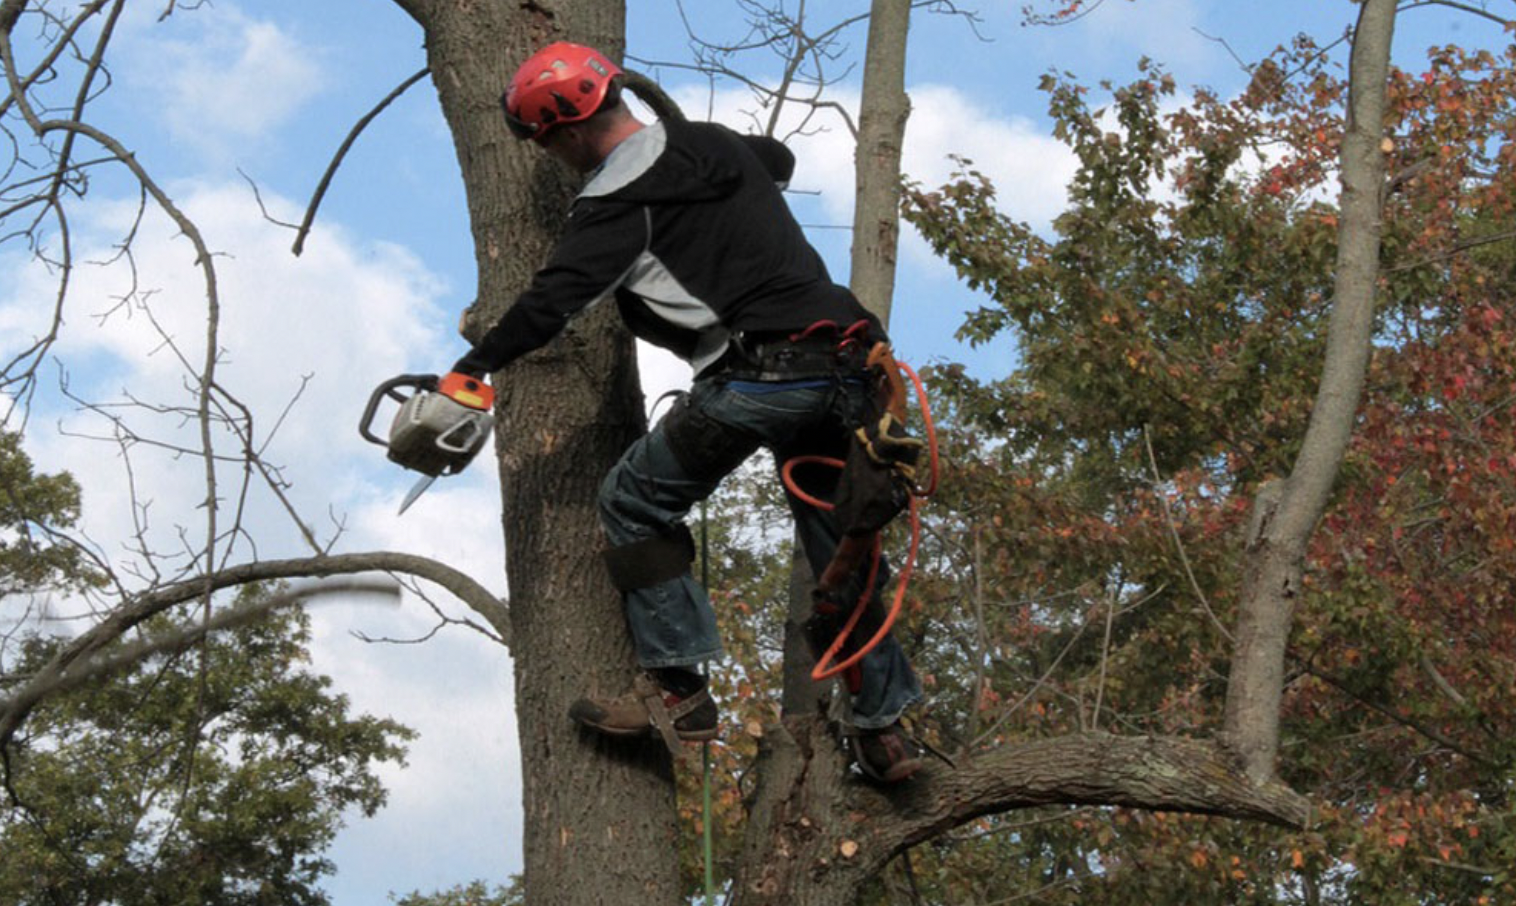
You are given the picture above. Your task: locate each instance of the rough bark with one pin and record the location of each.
(826, 832)
(882, 114)
(599, 818)
(1286, 516)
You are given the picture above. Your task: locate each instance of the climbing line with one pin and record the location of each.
(825, 668)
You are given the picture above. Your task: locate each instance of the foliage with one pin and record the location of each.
(474, 893)
(218, 778)
(1170, 336)
(32, 506)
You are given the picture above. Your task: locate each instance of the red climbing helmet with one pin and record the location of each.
(561, 83)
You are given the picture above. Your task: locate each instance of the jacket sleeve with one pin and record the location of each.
(602, 242)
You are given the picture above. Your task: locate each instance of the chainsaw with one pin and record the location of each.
(442, 423)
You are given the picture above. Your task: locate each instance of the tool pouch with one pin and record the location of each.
(880, 471)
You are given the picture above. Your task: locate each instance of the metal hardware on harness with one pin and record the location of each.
(818, 351)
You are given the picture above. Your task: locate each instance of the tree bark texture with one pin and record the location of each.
(599, 818)
(1285, 518)
(816, 833)
(882, 114)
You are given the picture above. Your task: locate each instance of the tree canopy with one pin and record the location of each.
(214, 778)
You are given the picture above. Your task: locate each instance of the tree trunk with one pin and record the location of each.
(882, 113)
(599, 818)
(1286, 515)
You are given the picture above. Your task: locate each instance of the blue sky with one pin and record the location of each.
(268, 88)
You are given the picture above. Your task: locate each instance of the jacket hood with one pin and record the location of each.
(666, 162)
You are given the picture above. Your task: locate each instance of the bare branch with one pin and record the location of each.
(1454, 251)
(132, 613)
(1469, 8)
(1184, 558)
(347, 143)
(180, 640)
(1410, 723)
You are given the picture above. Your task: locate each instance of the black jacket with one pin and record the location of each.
(685, 227)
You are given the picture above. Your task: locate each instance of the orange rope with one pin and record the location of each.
(824, 668)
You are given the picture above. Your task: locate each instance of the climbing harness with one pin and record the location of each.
(880, 478)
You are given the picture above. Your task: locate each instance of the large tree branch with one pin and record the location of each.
(1159, 773)
(821, 835)
(79, 654)
(420, 10)
(1286, 519)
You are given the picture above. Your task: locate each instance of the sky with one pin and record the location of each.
(244, 93)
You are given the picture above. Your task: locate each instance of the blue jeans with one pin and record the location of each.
(651, 489)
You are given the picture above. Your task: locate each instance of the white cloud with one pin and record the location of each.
(1030, 168)
(454, 809)
(221, 79)
(325, 328)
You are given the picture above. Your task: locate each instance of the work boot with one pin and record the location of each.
(887, 755)
(650, 708)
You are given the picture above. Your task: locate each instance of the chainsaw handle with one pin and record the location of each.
(391, 389)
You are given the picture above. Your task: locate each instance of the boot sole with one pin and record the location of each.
(629, 732)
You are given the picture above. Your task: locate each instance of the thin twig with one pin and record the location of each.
(1464, 7)
(1105, 657)
(1456, 250)
(1184, 558)
(347, 143)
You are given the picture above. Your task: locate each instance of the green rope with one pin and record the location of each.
(710, 868)
(705, 748)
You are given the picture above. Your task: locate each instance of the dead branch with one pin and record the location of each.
(347, 144)
(80, 652)
(1469, 8)
(179, 641)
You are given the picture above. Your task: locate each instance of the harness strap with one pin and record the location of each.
(657, 710)
(821, 350)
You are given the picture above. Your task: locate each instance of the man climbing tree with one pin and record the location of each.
(685, 226)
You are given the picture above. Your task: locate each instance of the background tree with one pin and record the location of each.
(175, 784)
(1169, 337)
(34, 509)
(167, 781)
